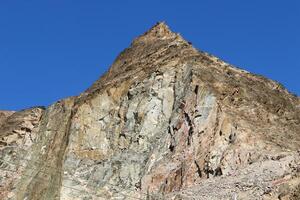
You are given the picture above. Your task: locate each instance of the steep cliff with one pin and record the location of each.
(165, 122)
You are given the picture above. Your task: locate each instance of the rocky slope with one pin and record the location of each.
(165, 122)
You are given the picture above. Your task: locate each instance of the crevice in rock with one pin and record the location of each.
(200, 133)
(198, 115)
(232, 138)
(196, 89)
(199, 172)
(172, 143)
(28, 130)
(136, 117)
(191, 128)
(218, 171)
(207, 170)
(122, 135)
(129, 96)
(181, 175)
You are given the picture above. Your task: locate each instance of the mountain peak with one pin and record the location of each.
(160, 31)
(165, 122)
(151, 46)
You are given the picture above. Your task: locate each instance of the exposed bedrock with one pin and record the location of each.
(165, 122)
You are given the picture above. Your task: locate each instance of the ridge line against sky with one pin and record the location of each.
(52, 50)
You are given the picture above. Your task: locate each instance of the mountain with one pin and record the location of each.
(165, 122)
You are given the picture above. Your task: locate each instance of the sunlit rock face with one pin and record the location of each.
(165, 122)
(18, 132)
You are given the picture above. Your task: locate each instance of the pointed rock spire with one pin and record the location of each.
(159, 31)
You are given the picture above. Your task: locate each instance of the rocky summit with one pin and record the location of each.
(166, 121)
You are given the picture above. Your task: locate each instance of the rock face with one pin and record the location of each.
(165, 122)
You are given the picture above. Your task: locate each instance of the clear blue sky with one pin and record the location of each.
(53, 49)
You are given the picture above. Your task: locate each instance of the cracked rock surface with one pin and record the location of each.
(165, 122)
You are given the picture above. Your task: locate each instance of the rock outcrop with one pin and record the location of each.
(165, 122)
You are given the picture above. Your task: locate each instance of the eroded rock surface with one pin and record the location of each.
(18, 132)
(165, 122)
(4, 115)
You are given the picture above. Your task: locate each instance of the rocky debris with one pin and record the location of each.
(165, 122)
(268, 179)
